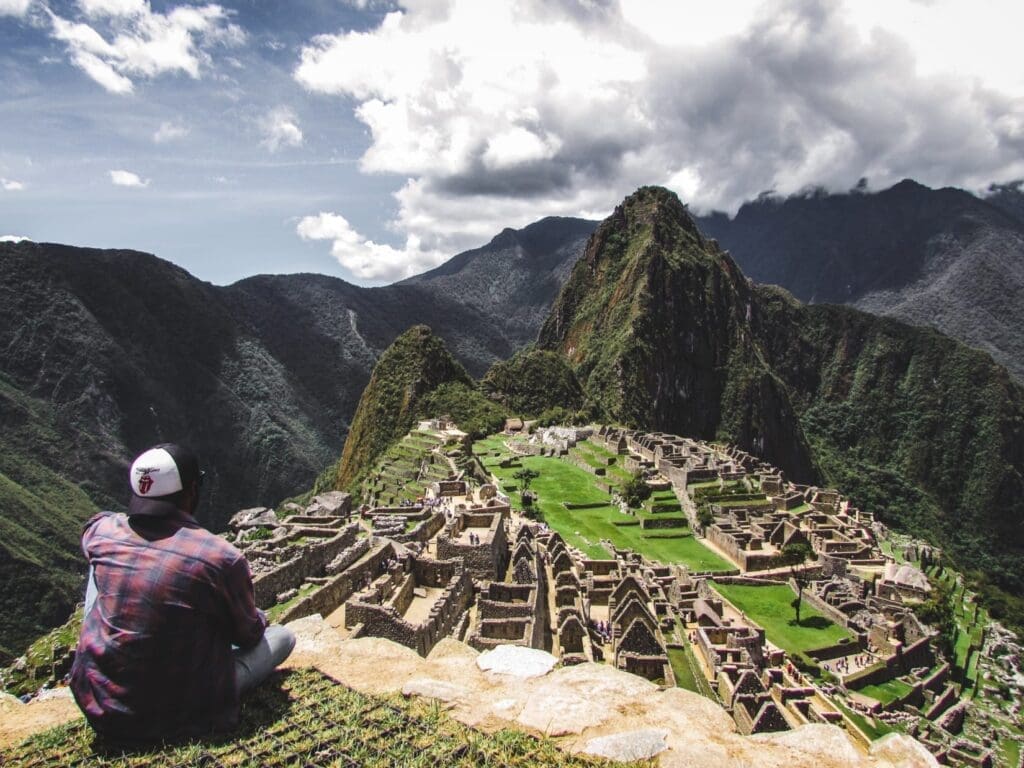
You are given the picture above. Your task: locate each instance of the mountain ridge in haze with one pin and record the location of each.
(935, 257)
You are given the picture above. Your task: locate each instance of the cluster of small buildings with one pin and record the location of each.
(415, 573)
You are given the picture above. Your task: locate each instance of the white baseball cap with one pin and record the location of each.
(160, 472)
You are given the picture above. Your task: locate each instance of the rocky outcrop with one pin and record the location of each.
(589, 708)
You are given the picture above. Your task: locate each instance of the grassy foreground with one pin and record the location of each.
(303, 718)
(771, 607)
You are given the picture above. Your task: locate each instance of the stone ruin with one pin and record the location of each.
(415, 601)
(514, 611)
(477, 536)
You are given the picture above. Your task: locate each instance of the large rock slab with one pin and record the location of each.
(255, 517)
(903, 751)
(632, 745)
(588, 708)
(431, 688)
(332, 503)
(515, 661)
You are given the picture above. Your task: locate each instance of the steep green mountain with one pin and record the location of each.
(936, 257)
(532, 382)
(655, 321)
(415, 365)
(666, 333)
(42, 513)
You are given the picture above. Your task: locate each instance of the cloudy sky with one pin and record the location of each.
(372, 139)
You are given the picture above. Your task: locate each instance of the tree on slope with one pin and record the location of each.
(793, 555)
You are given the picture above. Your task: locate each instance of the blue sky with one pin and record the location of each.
(372, 140)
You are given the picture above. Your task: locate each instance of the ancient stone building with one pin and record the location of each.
(416, 602)
(477, 536)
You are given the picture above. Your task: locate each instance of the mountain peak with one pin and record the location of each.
(658, 204)
(415, 364)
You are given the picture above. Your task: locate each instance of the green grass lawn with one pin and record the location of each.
(1010, 750)
(682, 669)
(561, 482)
(771, 607)
(886, 692)
(871, 731)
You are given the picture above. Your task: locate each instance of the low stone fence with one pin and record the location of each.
(766, 580)
(410, 513)
(844, 647)
(577, 460)
(423, 532)
(348, 556)
(656, 523)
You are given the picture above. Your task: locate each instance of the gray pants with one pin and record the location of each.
(254, 665)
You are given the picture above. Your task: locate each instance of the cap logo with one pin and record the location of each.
(145, 482)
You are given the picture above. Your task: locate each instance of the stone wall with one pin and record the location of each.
(489, 559)
(311, 561)
(423, 532)
(384, 620)
(338, 589)
(656, 523)
(828, 610)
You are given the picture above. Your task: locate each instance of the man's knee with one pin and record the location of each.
(281, 641)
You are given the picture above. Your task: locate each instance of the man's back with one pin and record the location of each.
(154, 657)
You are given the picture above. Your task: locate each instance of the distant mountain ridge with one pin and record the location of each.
(515, 277)
(937, 257)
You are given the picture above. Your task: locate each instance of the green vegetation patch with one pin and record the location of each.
(887, 692)
(772, 608)
(873, 729)
(303, 718)
(560, 482)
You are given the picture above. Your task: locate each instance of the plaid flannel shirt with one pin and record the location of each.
(154, 658)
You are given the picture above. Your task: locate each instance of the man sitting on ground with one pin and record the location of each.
(171, 634)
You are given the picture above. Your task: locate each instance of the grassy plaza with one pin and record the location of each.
(772, 607)
(560, 482)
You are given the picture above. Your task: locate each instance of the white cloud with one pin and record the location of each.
(10, 185)
(14, 7)
(113, 7)
(499, 113)
(170, 132)
(125, 39)
(362, 257)
(127, 179)
(280, 128)
(13, 238)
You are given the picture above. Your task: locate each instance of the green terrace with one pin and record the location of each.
(570, 501)
(396, 477)
(970, 620)
(303, 718)
(771, 606)
(888, 692)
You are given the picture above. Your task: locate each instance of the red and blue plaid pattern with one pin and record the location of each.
(154, 657)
